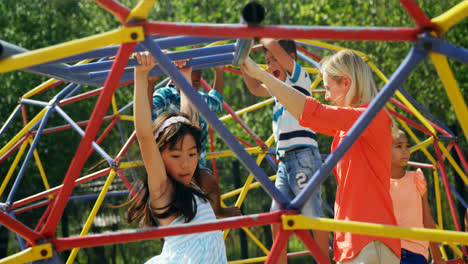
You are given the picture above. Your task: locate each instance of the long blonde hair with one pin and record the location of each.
(363, 88)
(347, 62)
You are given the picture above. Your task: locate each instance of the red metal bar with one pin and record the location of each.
(441, 130)
(461, 157)
(455, 261)
(80, 96)
(418, 15)
(103, 135)
(115, 8)
(308, 53)
(126, 182)
(78, 161)
(448, 191)
(244, 142)
(412, 123)
(233, 70)
(310, 243)
(279, 244)
(213, 160)
(33, 206)
(125, 147)
(19, 228)
(64, 127)
(287, 32)
(449, 147)
(53, 191)
(12, 149)
(145, 234)
(25, 117)
(43, 218)
(237, 118)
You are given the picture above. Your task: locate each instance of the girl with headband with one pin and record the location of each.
(168, 197)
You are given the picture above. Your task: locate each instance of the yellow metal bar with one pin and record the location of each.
(126, 118)
(237, 191)
(43, 251)
(13, 167)
(248, 109)
(329, 46)
(316, 82)
(39, 88)
(217, 43)
(230, 153)
(22, 132)
(417, 141)
(455, 249)
(452, 89)
(454, 163)
(114, 106)
(421, 145)
(403, 99)
(250, 178)
(55, 52)
(293, 222)
(448, 19)
(440, 219)
(442, 251)
(141, 10)
(40, 167)
(93, 213)
(255, 240)
(250, 260)
(131, 164)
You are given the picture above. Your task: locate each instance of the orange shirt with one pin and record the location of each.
(407, 195)
(362, 175)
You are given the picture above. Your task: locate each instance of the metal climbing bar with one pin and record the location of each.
(414, 57)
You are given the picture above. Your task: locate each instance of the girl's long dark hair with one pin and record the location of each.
(183, 201)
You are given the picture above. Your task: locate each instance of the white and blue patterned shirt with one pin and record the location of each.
(168, 99)
(287, 131)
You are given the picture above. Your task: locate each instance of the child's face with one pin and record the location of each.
(196, 77)
(181, 161)
(274, 67)
(335, 91)
(400, 151)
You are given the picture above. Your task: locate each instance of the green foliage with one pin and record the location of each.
(38, 24)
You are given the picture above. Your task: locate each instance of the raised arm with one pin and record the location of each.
(279, 53)
(218, 82)
(160, 190)
(186, 105)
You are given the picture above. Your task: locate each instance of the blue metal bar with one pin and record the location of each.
(72, 92)
(272, 162)
(243, 47)
(34, 102)
(10, 119)
(440, 46)
(309, 60)
(14, 188)
(94, 196)
(46, 130)
(169, 68)
(164, 43)
(414, 57)
(102, 75)
(128, 74)
(425, 111)
(178, 55)
(459, 197)
(81, 132)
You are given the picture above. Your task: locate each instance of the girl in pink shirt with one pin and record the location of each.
(409, 194)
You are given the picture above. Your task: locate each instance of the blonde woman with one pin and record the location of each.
(363, 174)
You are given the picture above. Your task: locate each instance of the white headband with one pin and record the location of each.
(170, 121)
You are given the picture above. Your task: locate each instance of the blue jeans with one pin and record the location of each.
(294, 171)
(409, 257)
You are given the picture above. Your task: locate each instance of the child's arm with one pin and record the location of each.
(186, 105)
(254, 86)
(218, 82)
(429, 223)
(157, 178)
(280, 54)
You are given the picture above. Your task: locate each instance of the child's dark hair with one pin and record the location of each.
(183, 201)
(288, 45)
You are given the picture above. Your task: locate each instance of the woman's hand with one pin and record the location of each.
(251, 68)
(186, 71)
